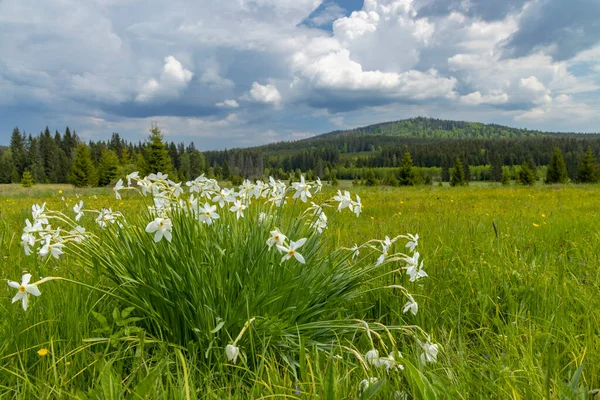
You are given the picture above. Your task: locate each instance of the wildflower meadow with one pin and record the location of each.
(270, 289)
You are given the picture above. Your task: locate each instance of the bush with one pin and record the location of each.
(237, 273)
(27, 179)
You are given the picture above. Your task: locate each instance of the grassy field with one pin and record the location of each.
(512, 298)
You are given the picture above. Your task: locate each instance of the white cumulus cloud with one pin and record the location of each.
(171, 83)
(267, 94)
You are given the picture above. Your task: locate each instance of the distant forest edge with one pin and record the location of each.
(373, 154)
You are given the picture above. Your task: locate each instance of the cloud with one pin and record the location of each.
(172, 81)
(228, 103)
(559, 28)
(267, 94)
(476, 98)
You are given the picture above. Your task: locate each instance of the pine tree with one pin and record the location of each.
(496, 170)
(406, 173)
(457, 177)
(370, 179)
(526, 176)
(107, 169)
(588, 169)
(505, 176)
(157, 157)
(466, 170)
(82, 169)
(17, 148)
(27, 179)
(557, 169)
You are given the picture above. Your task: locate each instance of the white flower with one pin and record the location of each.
(162, 227)
(238, 208)
(78, 234)
(53, 248)
(146, 185)
(414, 241)
(23, 289)
(384, 254)
(372, 357)
(355, 251)
(118, 187)
(411, 305)
(356, 206)
(134, 175)
(192, 203)
(232, 352)
(344, 200)
(261, 217)
(207, 214)
(365, 383)
(414, 269)
(291, 251)
(321, 223)
(27, 237)
(302, 190)
(222, 197)
(78, 209)
(430, 353)
(37, 213)
(319, 185)
(276, 238)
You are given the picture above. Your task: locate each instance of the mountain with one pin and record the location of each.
(421, 127)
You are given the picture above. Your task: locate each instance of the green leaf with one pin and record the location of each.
(218, 327)
(125, 313)
(372, 390)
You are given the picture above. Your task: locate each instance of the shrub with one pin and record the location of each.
(237, 273)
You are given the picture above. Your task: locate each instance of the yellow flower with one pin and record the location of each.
(42, 352)
(59, 191)
(536, 225)
(543, 215)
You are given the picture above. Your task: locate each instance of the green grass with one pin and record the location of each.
(512, 297)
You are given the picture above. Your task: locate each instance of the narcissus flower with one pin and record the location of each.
(302, 190)
(277, 238)
(133, 175)
(411, 305)
(430, 352)
(207, 213)
(160, 227)
(23, 289)
(291, 251)
(118, 187)
(232, 352)
(238, 208)
(413, 242)
(78, 209)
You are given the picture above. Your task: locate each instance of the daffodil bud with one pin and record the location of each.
(232, 353)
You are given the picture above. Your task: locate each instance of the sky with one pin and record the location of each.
(238, 73)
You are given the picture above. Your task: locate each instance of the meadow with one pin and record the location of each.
(512, 299)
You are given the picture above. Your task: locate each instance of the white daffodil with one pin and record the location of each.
(37, 212)
(146, 185)
(320, 224)
(292, 250)
(160, 227)
(276, 238)
(411, 306)
(27, 236)
(319, 185)
(355, 251)
(78, 234)
(372, 357)
(232, 352)
(51, 248)
(430, 352)
(78, 209)
(176, 189)
(414, 269)
(238, 208)
(414, 241)
(207, 213)
(365, 383)
(302, 190)
(383, 256)
(23, 289)
(118, 187)
(356, 206)
(344, 200)
(191, 203)
(134, 175)
(262, 217)
(221, 197)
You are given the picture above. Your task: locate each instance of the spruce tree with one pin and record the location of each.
(370, 179)
(505, 176)
(457, 177)
(526, 176)
(496, 170)
(157, 157)
(82, 169)
(27, 179)
(557, 169)
(588, 169)
(107, 169)
(17, 148)
(406, 173)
